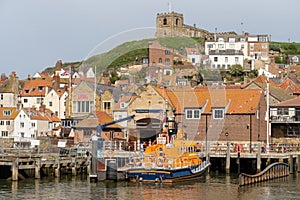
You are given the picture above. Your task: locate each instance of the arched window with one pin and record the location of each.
(177, 21)
(165, 21)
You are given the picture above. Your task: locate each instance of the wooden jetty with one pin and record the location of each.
(50, 163)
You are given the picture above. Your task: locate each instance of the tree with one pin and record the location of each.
(113, 77)
(236, 70)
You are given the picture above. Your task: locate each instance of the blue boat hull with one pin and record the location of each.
(166, 175)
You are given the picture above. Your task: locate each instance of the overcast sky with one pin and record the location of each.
(35, 33)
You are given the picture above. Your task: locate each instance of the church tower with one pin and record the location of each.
(169, 25)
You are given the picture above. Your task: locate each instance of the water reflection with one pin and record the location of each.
(210, 187)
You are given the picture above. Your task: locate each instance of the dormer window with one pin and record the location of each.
(26, 91)
(218, 113)
(7, 112)
(41, 88)
(192, 113)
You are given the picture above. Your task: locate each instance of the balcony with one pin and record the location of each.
(280, 119)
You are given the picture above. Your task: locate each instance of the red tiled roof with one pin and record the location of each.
(36, 87)
(104, 118)
(288, 84)
(239, 101)
(291, 103)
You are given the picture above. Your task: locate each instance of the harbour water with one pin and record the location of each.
(213, 186)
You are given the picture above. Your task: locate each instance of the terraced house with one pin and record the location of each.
(201, 112)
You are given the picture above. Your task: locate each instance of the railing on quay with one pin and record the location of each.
(275, 170)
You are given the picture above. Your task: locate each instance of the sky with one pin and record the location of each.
(34, 34)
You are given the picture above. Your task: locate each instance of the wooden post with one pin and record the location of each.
(88, 167)
(298, 163)
(14, 169)
(291, 164)
(239, 163)
(57, 168)
(74, 171)
(258, 162)
(228, 158)
(38, 168)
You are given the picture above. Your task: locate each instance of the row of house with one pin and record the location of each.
(216, 112)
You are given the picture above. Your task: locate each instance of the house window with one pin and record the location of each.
(252, 47)
(4, 133)
(193, 60)
(218, 113)
(167, 52)
(39, 100)
(106, 105)
(32, 125)
(7, 123)
(83, 106)
(226, 59)
(167, 61)
(282, 111)
(40, 88)
(221, 46)
(1, 123)
(1, 97)
(210, 46)
(22, 134)
(216, 59)
(22, 125)
(56, 113)
(25, 100)
(122, 105)
(26, 91)
(87, 132)
(242, 46)
(231, 46)
(236, 59)
(160, 60)
(192, 113)
(7, 112)
(50, 104)
(264, 46)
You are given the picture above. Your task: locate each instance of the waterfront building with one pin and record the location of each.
(285, 119)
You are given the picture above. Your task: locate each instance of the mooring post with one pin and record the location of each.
(258, 163)
(14, 169)
(37, 168)
(298, 163)
(239, 163)
(228, 158)
(88, 167)
(74, 171)
(57, 168)
(291, 164)
(93, 173)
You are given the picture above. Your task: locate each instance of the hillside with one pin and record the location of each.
(126, 53)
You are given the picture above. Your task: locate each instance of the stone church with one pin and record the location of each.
(172, 25)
